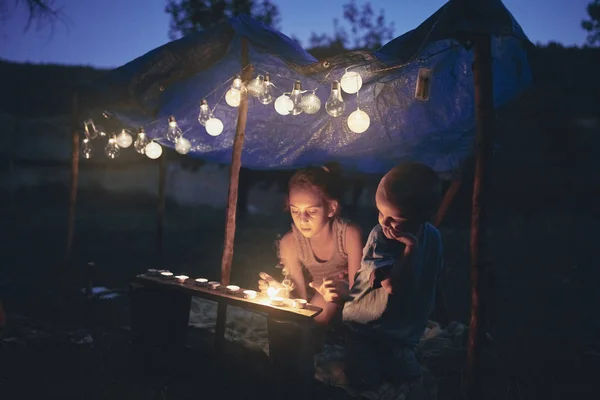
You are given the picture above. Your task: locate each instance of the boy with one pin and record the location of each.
(393, 294)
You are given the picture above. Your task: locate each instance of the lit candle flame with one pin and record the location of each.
(272, 292)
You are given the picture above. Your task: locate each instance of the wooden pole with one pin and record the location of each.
(232, 198)
(160, 209)
(484, 113)
(74, 181)
(446, 202)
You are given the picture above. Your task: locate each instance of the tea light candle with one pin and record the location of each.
(277, 301)
(166, 274)
(181, 278)
(152, 272)
(233, 288)
(214, 284)
(299, 303)
(201, 281)
(250, 294)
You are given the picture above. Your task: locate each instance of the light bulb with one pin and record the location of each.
(141, 141)
(204, 112)
(256, 86)
(183, 145)
(359, 121)
(234, 95)
(214, 126)
(90, 133)
(351, 82)
(99, 130)
(335, 105)
(296, 98)
(266, 95)
(283, 105)
(153, 150)
(112, 148)
(87, 151)
(124, 139)
(310, 104)
(174, 131)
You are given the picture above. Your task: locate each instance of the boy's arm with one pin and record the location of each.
(391, 277)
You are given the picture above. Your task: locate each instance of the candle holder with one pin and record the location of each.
(277, 301)
(214, 285)
(299, 303)
(250, 294)
(181, 278)
(201, 282)
(233, 289)
(166, 275)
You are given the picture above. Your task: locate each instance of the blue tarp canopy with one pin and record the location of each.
(174, 78)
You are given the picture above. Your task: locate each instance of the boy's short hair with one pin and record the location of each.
(415, 188)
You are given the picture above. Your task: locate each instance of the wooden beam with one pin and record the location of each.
(484, 113)
(232, 198)
(74, 182)
(446, 202)
(160, 209)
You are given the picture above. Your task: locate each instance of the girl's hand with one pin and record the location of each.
(331, 290)
(266, 281)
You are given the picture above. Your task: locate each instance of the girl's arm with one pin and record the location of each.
(289, 258)
(354, 246)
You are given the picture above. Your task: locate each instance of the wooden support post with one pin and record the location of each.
(160, 209)
(74, 181)
(234, 176)
(484, 112)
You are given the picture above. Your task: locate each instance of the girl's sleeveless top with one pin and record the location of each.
(320, 270)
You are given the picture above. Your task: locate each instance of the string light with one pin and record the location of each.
(141, 141)
(423, 86)
(266, 95)
(112, 148)
(296, 98)
(283, 104)
(214, 126)
(87, 151)
(256, 86)
(358, 121)
(351, 82)
(335, 105)
(205, 113)
(124, 139)
(311, 104)
(183, 146)
(234, 95)
(174, 131)
(153, 150)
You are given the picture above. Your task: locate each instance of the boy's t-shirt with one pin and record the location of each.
(403, 315)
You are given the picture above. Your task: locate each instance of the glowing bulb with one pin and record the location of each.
(153, 150)
(174, 131)
(205, 113)
(359, 121)
(124, 139)
(99, 130)
(90, 134)
(87, 151)
(351, 82)
(266, 95)
(256, 86)
(296, 98)
(283, 105)
(112, 148)
(234, 95)
(141, 141)
(183, 145)
(310, 104)
(335, 105)
(214, 126)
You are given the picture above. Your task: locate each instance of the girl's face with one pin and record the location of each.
(310, 211)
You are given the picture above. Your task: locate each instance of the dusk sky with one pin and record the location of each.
(110, 33)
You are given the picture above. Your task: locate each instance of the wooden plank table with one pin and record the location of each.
(160, 310)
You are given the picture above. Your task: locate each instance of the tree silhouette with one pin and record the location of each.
(368, 31)
(188, 16)
(592, 25)
(41, 12)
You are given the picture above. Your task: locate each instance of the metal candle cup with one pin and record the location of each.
(182, 278)
(277, 301)
(233, 288)
(166, 275)
(201, 282)
(299, 303)
(214, 285)
(250, 294)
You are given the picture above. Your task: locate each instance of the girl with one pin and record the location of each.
(320, 242)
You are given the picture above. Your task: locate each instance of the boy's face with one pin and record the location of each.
(391, 218)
